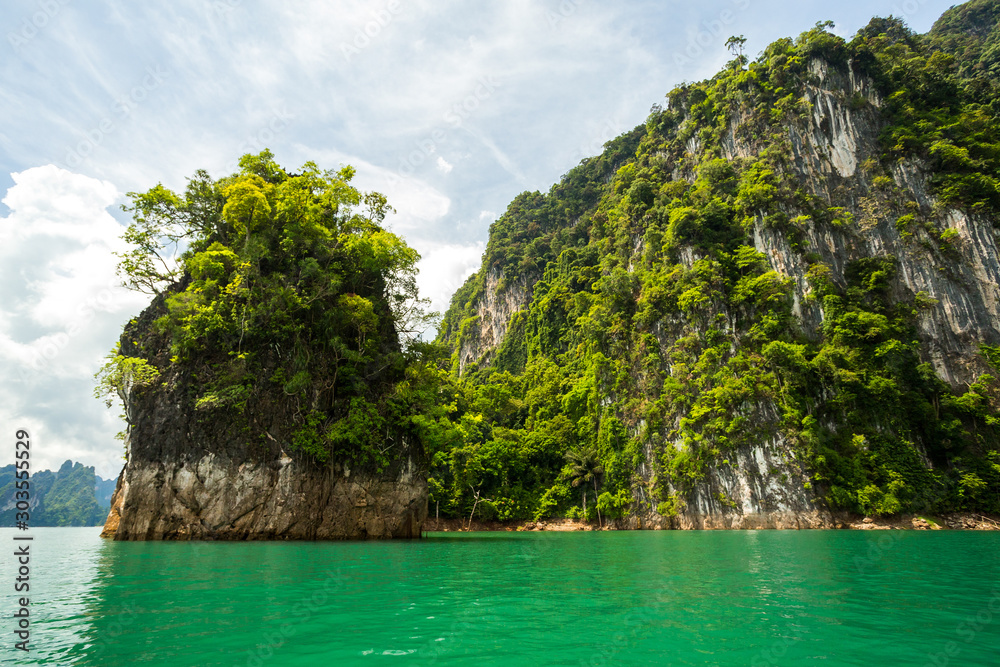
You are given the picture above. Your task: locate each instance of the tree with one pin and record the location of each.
(735, 46)
(585, 467)
(163, 221)
(478, 499)
(120, 374)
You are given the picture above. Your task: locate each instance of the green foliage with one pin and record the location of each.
(614, 506)
(969, 32)
(659, 340)
(120, 374)
(992, 354)
(939, 107)
(289, 298)
(670, 507)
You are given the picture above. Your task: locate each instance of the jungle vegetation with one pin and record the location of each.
(630, 355)
(289, 307)
(657, 334)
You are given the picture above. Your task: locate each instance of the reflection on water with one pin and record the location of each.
(519, 599)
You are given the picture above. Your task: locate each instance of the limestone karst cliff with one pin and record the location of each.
(267, 392)
(777, 301)
(72, 495)
(774, 304)
(191, 474)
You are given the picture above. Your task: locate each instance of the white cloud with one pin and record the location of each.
(444, 165)
(443, 268)
(52, 199)
(61, 309)
(416, 203)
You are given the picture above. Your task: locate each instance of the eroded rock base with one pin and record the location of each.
(214, 498)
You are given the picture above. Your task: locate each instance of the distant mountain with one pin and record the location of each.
(105, 489)
(72, 496)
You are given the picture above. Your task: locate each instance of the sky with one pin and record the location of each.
(450, 109)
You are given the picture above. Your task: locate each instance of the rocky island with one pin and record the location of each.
(265, 388)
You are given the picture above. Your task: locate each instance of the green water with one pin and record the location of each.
(651, 598)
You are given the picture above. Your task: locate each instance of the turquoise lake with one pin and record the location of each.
(612, 598)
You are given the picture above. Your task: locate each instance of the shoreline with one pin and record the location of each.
(959, 521)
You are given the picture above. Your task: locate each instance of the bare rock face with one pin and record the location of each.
(217, 498)
(211, 474)
(494, 313)
(115, 513)
(961, 281)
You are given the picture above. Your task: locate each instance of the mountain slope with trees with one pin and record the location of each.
(70, 496)
(775, 301)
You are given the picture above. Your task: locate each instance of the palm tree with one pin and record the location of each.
(585, 466)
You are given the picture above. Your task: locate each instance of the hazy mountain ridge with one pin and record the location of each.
(71, 496)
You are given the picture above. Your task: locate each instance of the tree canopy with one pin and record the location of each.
(270, 283)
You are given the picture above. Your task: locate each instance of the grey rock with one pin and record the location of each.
(201, 474)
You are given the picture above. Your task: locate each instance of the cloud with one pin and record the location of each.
(444, 165)
(443, 268)
(61, 309)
